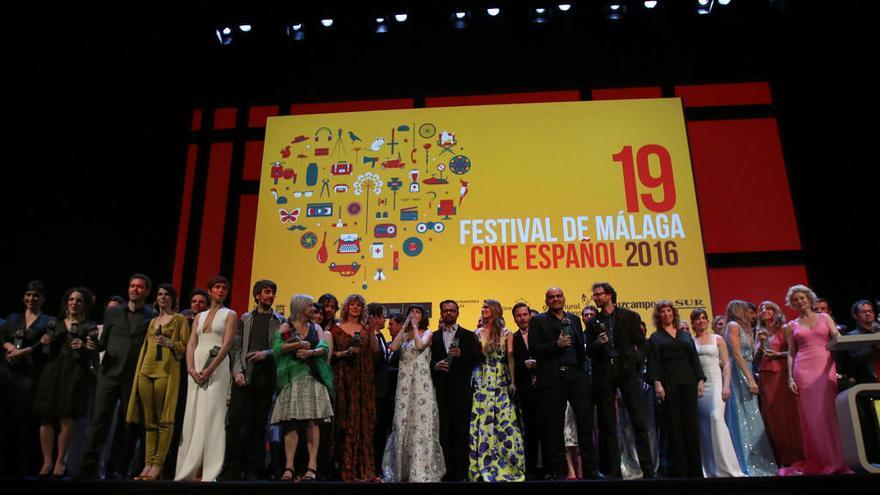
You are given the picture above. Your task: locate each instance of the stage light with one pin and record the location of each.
(705, 6)
(381, 28)
(224, 35)
(327, 22)
(493, 11)
(565, 7)
(615, 11)
(245, 28)
(400, 17)
(650, 4)
(295, 31)
(380, 20)
(723, 2)
(540, 15)
(460, 15)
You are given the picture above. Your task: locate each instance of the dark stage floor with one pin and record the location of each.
(829, 485)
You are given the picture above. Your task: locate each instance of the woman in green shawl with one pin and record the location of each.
(305, 384)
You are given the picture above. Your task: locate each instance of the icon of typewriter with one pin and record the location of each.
(348, 244)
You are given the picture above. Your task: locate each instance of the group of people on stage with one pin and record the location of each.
(195, 395)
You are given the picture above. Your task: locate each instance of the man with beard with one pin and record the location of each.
(253, 372)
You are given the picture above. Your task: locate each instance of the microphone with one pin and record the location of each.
(158, 347)
(50, 331)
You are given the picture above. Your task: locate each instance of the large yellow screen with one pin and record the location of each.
(470, 203)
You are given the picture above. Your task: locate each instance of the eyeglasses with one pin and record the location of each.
(599, 293)
(299, 194)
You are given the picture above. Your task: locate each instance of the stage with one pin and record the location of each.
(734, 486)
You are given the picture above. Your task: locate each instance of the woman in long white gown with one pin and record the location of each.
(203, 437)
(716, 447)
(412, 452)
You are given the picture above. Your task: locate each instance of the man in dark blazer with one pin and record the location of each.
(617, 348)
(557, 343)
(452, 383)
(124, 329)
(526, 394)
(384, 409)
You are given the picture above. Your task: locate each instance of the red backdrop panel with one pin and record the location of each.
(754, 284)
(185, 208)
(713, 95)
(224, 118)
(627, 93)
(196, 124)
(253, 160)
(244, 253)
(742, 187)
(214, 213)
(257, 115)
(540, 97)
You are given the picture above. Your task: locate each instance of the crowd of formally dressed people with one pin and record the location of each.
(207, 394)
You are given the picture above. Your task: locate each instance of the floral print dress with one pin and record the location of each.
(496, 444)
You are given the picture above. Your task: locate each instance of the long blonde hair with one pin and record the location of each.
(493, 343)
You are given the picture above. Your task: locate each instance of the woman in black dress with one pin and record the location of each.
(23, 359)
(674, 369)
(61, 392)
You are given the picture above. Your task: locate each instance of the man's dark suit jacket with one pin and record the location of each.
(456, 383)
(523, 375)
(544, 330)
(629, 342)
(380, 369)
(121, 345)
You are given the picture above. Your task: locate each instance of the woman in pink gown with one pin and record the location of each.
(813, 378)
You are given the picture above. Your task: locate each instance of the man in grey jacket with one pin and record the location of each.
(253, 371)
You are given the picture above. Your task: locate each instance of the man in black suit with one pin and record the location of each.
(526, 394)
(124, 329)
(384, 410)
(452, 383)
(556, 341)
(617, 348)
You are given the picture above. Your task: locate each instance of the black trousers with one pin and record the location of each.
(249, 410)
(20, 452)
(384, 419)
(455, 418)
(528, 405)
(107, 392)
(572, 386)
(605, 389)
(682, 431)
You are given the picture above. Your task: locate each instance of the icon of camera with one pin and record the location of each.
(423, 227)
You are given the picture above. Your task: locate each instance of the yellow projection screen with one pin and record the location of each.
(477, 202)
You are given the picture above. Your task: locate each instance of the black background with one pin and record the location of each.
(99, 101)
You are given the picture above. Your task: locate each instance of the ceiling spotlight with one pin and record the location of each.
(650, 4)
(565, 7)
(381, 28)
(327, 22)
(460, 15)
(296, 27)
(540, 15)
(245, 28)
(540, 11)
(224, 35)
(615, 11)
(295, 31)
(705, 6)
(723, 2)
(380, 20)
(400, 17)
(493, 11)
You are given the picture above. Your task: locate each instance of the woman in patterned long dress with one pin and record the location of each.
(305, 383)
(412, 452)
(743, 416)
(496, 449)
(812, 376)
(355, 391)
